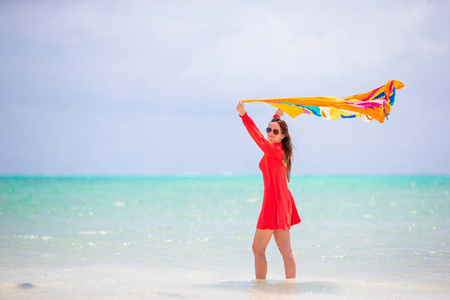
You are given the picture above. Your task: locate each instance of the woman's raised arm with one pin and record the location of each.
(254, 132)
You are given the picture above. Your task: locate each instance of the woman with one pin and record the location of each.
(278, 211)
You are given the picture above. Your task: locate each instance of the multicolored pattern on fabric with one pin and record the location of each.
(375, 104)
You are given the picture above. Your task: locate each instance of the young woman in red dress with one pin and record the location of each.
(278, 211)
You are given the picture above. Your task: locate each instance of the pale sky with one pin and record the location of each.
(150, 87)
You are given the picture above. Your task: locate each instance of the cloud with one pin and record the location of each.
(112, 52)
(103, 77)
(284, 50)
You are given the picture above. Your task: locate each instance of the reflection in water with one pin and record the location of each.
(277, 287)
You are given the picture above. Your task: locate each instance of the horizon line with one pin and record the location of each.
(218, 175)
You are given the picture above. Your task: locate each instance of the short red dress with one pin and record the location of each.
(278, 208)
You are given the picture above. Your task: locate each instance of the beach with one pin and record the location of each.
(361, 237)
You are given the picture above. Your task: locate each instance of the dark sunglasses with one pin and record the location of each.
(275, 131)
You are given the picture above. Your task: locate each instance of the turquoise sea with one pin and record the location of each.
(190, 238)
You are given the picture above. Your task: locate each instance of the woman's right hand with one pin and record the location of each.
(240, 108)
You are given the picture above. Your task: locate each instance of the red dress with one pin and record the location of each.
(278, 209)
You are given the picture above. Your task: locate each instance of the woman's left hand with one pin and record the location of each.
(279, 112)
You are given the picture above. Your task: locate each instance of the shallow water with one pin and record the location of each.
(165, 237)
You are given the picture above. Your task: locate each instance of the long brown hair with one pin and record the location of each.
(287, 146)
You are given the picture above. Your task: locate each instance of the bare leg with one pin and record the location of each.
(260, 242)
(283, 240)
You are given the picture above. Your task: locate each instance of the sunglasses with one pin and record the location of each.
(275, 131)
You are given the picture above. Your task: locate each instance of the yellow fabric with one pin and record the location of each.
(375, 104)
